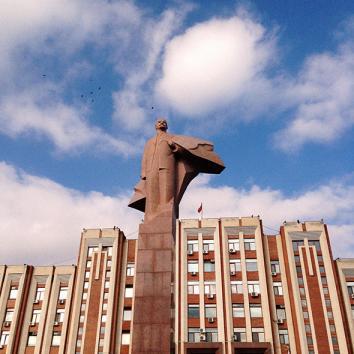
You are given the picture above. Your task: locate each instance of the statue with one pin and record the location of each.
(169, 164)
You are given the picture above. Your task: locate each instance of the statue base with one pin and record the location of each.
(152, 330)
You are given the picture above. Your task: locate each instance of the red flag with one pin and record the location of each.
(200, 209)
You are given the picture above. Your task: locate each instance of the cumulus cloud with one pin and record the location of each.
(211, 63)
(323, 98)
(334, 202)
(47, 115)
(41, 220)
(43, 26)
(135, 99)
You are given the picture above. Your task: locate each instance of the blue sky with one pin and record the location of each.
(270, 83)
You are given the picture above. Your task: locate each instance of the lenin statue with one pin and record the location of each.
(169, 164)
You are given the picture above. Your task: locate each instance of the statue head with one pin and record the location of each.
(161, 124)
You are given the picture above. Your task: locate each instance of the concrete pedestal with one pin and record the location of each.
(153, 302)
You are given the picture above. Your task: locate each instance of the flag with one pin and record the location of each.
(200, 209)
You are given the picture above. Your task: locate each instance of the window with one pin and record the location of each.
(303, 303)
(300, 280)
(334, 340)
(302, 291)
(193, 335)
(236, 287)
(315, 243)
(238, 310)
(325, 290)
(193, 311)
(110, 251)
(86, 285)
(59, 316)
(298, 269)
(329, 314)
(208, 245)
(13, 293)
(352, 311)
(275, 267)
(350, 287)
(130, 269)
(9, 315)
(40, 294)
(56, 338)
(125, 338)
(193, 287)
(108, 274)
(87, 274)
(328, 303)
(324, 280)
(234, 245)
(63, 293)
(255, 310)
(283, 336)
(127, 314)
(88, 264)
(105, 306)
(250, 244)
(211, 334)
(307, 328)
(209, 266)
(103, 318)
(278, 289)
(332, 327)
(4, 338)
(280, 310)
(210, 311)
(192, 245)
(257, 334)
(235, 265)
(253, 287)
(36, 315)
(251, 265)
(322, 269)
(309, 340)
(32, 338)
(297, 244)
(192, 266)
(240, 334)
(297, 259)
(91, 249)
(209, 288)
(320, 259)
(306, 314)
(129, 291)
(106, 284)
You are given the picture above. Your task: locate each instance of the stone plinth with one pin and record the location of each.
(152, 322)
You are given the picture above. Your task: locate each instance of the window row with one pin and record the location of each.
(233, 245)
(235, 266)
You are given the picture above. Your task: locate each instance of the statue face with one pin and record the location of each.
(161, 124)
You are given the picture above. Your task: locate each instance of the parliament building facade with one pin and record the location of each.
(235, 290)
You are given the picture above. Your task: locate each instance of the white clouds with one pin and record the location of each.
(209, 65)
(333, 202)
(135, 98)
(40, 25)
(323, 94)
(46, 115)
(41, 220)
(56, 31)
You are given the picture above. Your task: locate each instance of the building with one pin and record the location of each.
(236, 291)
